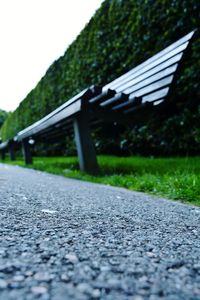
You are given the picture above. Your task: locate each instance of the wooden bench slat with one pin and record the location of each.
(156, 95)
(157, 102)
(151, 79)
(103, 96)
(150, 60)
(145, 105)
(150, 66)
(152, 87)
(120, 97)
(126, 104)
(138, 108)
(151, 72)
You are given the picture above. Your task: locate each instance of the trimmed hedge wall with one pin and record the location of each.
(3, 116)
(121, 35)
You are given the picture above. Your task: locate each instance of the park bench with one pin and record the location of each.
(127, 100)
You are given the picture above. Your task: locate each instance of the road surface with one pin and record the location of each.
(66, 239)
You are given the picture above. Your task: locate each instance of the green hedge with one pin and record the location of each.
(3, 116)
(121, 34)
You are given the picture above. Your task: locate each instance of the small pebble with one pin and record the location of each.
(3, 284)
(65, 278)
(71, 258)
(42, 277)
(18, 278)
(38, 290)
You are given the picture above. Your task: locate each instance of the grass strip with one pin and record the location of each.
(173, 178)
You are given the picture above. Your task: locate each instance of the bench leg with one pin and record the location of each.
(12, 152)
(3, 154)
(84, 145)
(27, 152)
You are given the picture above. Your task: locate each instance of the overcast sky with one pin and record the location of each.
(33, 33)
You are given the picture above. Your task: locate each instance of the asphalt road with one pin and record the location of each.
(67, 239)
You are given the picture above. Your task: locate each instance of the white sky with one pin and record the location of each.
(33, 33)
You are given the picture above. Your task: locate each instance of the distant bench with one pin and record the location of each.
(126, 100)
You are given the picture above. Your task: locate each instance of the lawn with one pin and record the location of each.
(172, 178)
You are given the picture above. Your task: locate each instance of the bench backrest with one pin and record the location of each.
(150, 81)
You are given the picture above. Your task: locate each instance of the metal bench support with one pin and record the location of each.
(12, 152)
(3, 154)
(84, 145)
(27, 152)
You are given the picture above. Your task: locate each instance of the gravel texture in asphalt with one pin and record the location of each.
(67, 239)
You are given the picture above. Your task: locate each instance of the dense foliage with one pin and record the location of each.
(121, 34)
(3, 116)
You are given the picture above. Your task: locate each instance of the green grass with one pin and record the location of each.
(173, 178)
